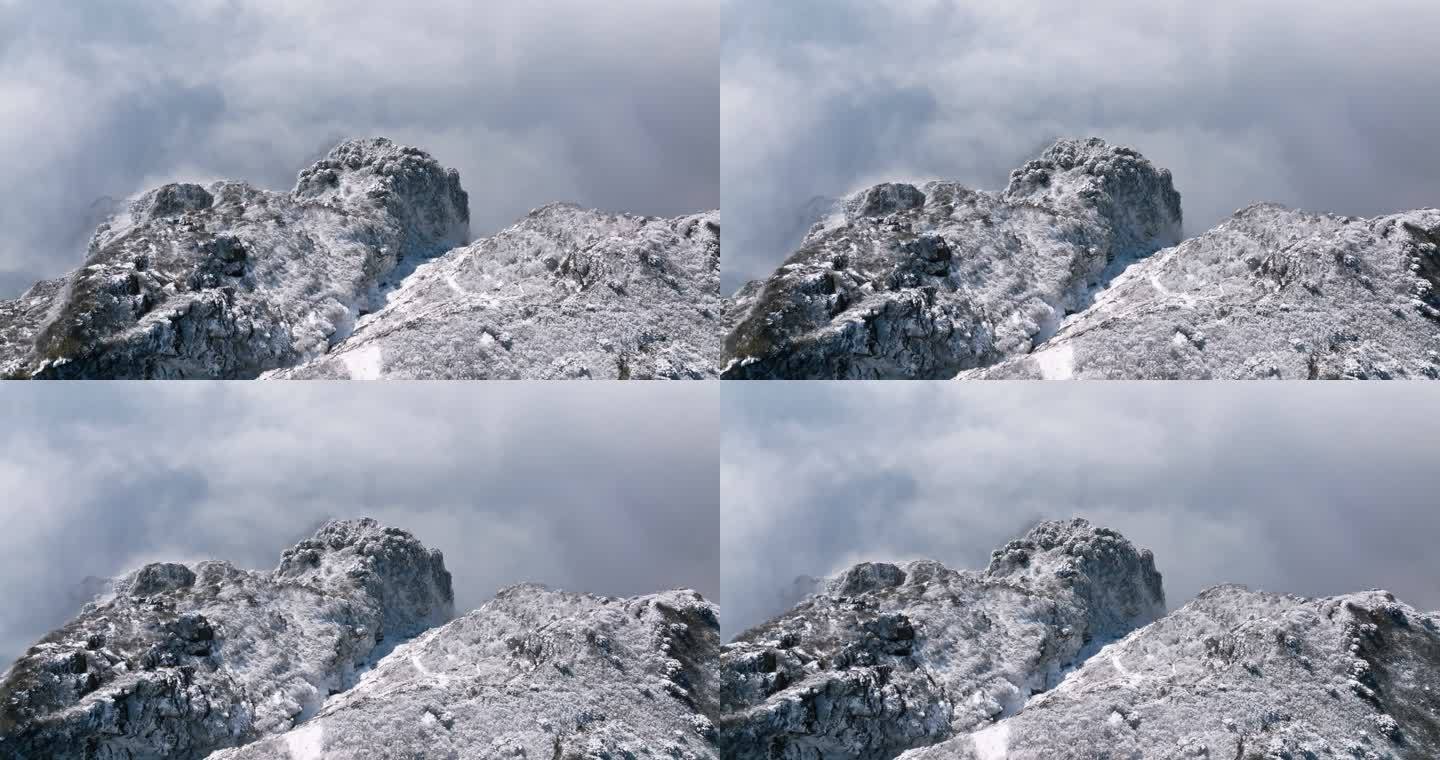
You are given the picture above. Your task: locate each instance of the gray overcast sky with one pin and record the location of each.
(1316, 490)
(608, 488)
(1322, 105)
(612, 105)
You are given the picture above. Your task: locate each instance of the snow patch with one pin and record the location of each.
(306, 742)
(993, 743)
(363, 363)
(1056, 363)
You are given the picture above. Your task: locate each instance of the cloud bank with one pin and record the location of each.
(1324, 106)
(1318, 490)
(610, 105)
(609, 488)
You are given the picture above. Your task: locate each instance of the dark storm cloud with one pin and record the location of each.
(608, 489)
(1324, 106)
(611, 105)
(1316, 490)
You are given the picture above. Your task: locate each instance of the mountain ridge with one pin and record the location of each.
(1078, 269)
(1062, 648)
(352, 642)
(232, 281)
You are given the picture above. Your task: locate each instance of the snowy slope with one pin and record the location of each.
(534, 673)
(1058, 277)
(181, 660)
(564, 293)
(1270, 293)
(1241, 674)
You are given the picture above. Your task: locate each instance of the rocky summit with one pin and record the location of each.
(1062, 649)
(350, 649)
(1077, 270)
(366, 269)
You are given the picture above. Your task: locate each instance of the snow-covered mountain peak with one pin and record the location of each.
(1118, 581)
(409, 580)
(184, 659)
(232, 281)
(923, 282)
(901, 655)
(1138, 198)
(1061, 649)
(412, 187)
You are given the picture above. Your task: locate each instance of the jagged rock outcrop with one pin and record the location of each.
(365, 270)
(1240, 674)
(890, 657)
(182, 660)
(565, 293)
(907, 282)
(1270, 293)
(1059, 277)
(532, 674)
(229, 281)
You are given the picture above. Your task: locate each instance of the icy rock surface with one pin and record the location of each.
(228, 281)
(890, 657)
(565, 293)
(533, 673)
(181, 660)
(1270, 293)
(924, 282)
(1240, 674)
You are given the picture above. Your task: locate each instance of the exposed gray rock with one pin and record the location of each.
(1240, 674)
(890, 657)
(564, 293)
(229, 281)
(1270, 293)
(907, 282)
(532, 674)
(182, 660)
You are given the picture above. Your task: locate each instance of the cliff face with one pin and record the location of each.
(182, 660)
(1076, 270)
(1061, 649)
(366, 270)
